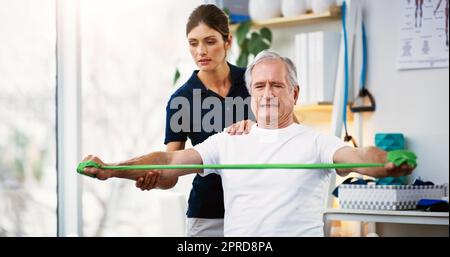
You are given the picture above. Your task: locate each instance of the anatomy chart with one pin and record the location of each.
(424, 34)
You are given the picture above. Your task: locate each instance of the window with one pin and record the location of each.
(27, 114)
(130, 50)
(129, 53)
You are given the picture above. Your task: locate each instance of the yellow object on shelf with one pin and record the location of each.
(333, 14)
(317, 113)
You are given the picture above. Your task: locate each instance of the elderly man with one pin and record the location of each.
(266, 202)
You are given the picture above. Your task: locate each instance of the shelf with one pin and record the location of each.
(333, 14)
(319, 113)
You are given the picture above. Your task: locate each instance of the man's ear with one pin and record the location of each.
(296, 93)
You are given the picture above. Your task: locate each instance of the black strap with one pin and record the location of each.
(358, 104)
(348, 138)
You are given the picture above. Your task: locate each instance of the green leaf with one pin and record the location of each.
(242, 61)
(19, 168)
(20, 139)
(242, 31)
(176, 76)
(251, 43)
(257, 44)
(38, 165)
(244, 53)
(244, 45)
(254, 38)
(266, 34)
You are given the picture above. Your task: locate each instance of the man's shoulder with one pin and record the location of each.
(216, 138)
(308, 129)
(308, 134)
(223, 139)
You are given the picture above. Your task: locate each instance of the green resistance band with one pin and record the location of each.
(397, 157)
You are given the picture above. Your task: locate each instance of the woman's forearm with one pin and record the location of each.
(167, 177)
(155, 158)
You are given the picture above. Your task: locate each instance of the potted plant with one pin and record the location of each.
(251, 42)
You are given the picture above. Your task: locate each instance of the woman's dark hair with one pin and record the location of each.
(210, 15)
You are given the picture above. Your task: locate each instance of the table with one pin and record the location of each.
(381, 216)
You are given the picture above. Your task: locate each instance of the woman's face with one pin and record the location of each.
(207, 47)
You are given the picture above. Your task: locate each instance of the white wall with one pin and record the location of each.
(414, 102)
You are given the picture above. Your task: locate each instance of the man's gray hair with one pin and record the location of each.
(268, 54)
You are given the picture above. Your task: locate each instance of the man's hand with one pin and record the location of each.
(150, 181)
(95, 172)
(389, 170)
(370, 155)
(241, 127)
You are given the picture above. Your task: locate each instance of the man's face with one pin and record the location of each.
(273, 98)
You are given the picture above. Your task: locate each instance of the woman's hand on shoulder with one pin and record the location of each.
(240, 128)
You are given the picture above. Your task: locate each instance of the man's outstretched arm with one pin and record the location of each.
(369, 155)
(188, 156)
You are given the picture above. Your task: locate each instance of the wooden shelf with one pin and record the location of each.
(319, 113)
(333, 14)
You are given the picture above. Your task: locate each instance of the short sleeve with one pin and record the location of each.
(327, 146)
(173, 123)
(209, 150)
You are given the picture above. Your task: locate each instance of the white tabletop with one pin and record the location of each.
(406, 217)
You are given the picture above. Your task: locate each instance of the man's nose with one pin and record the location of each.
(268, 93)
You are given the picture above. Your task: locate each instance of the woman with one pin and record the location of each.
(209, 40)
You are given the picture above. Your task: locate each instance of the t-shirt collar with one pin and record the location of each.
(287, 129)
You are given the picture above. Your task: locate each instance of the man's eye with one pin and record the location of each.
(193, 44)
(211, 42)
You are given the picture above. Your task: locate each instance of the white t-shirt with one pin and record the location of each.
(272, 202)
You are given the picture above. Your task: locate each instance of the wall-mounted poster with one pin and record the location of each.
(424, 34)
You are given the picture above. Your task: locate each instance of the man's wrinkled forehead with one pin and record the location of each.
(269, 70)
